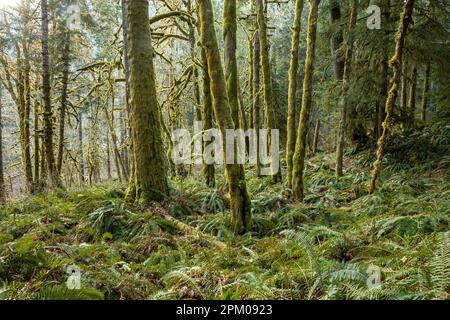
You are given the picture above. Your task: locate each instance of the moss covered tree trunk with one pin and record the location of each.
(63, 107)
(316, 136)
(269, 112)
(396, 64)
(2, 176)
(195, 75)
(345, 90)
(129, 152)
(80, 148)
(24, 109)
(256, 112)
(231, 75)
(250, 80)
(240, 204)
(300, 146)
(292, 90)
(412, 95)
(426, 92)
(230, 62)
(150, 181)
(386, 5)
(36, 108)
(404, 93)
(52, 175)
(207, 119)
(336, 41)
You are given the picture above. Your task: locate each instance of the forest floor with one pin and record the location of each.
(325, 248)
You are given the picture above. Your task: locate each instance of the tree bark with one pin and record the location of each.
(292, 90)
(396, 64)
(63, 108)
(240, 204)
(207, 119)
(150, 173)
(316, 136)
(336, 42)
(53, 179)
(80, 148)
(2, 175)
(345, 90)
(384, 66)
(257, 97)
(270, 115)
(300, 147)
(412, 95)
(426, 92)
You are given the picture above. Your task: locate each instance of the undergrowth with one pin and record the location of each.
(319, 249)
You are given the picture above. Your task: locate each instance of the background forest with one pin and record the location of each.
(91, 92)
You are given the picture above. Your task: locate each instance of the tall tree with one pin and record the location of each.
(207, 118)
(384, 86)
(230, 62)
(63, 107)
(292, 90)
(80, 147)
(412, 95)
(150, 181)
(396, 65)
(426, 92)
(240, 204)
(53, 178)
(336, 41)
(17, 82)
(256, 96)
(270, 115)
(300, 147)
(2, 175)
(345, 90)
(36, 137)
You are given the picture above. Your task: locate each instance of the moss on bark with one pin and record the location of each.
(240, 204)
(300, 147)
(150, 181)
(292, 90)
(396, 64)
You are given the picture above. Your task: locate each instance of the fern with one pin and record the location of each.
(61, 292)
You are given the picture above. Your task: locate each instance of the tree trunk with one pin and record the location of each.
(80, 147)
(195, 76)
(404, 93)
(396, 64)
(250, 80)
(412, 95)
(257, 97)
(36, 144)
(108, 158)
(292, 91)
(150, 173)
(316, 136)
(62, 110)
(270, 116)
(129, 152)
(300, 147)
(384, 66)
(426, 92)
(230, 62)
(48, 113)
(24, 108)
(336, 42)
(240, 204)
(207, 119)
(2, 176)
(345, 90)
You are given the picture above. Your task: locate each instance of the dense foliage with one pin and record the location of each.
(320, 249)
